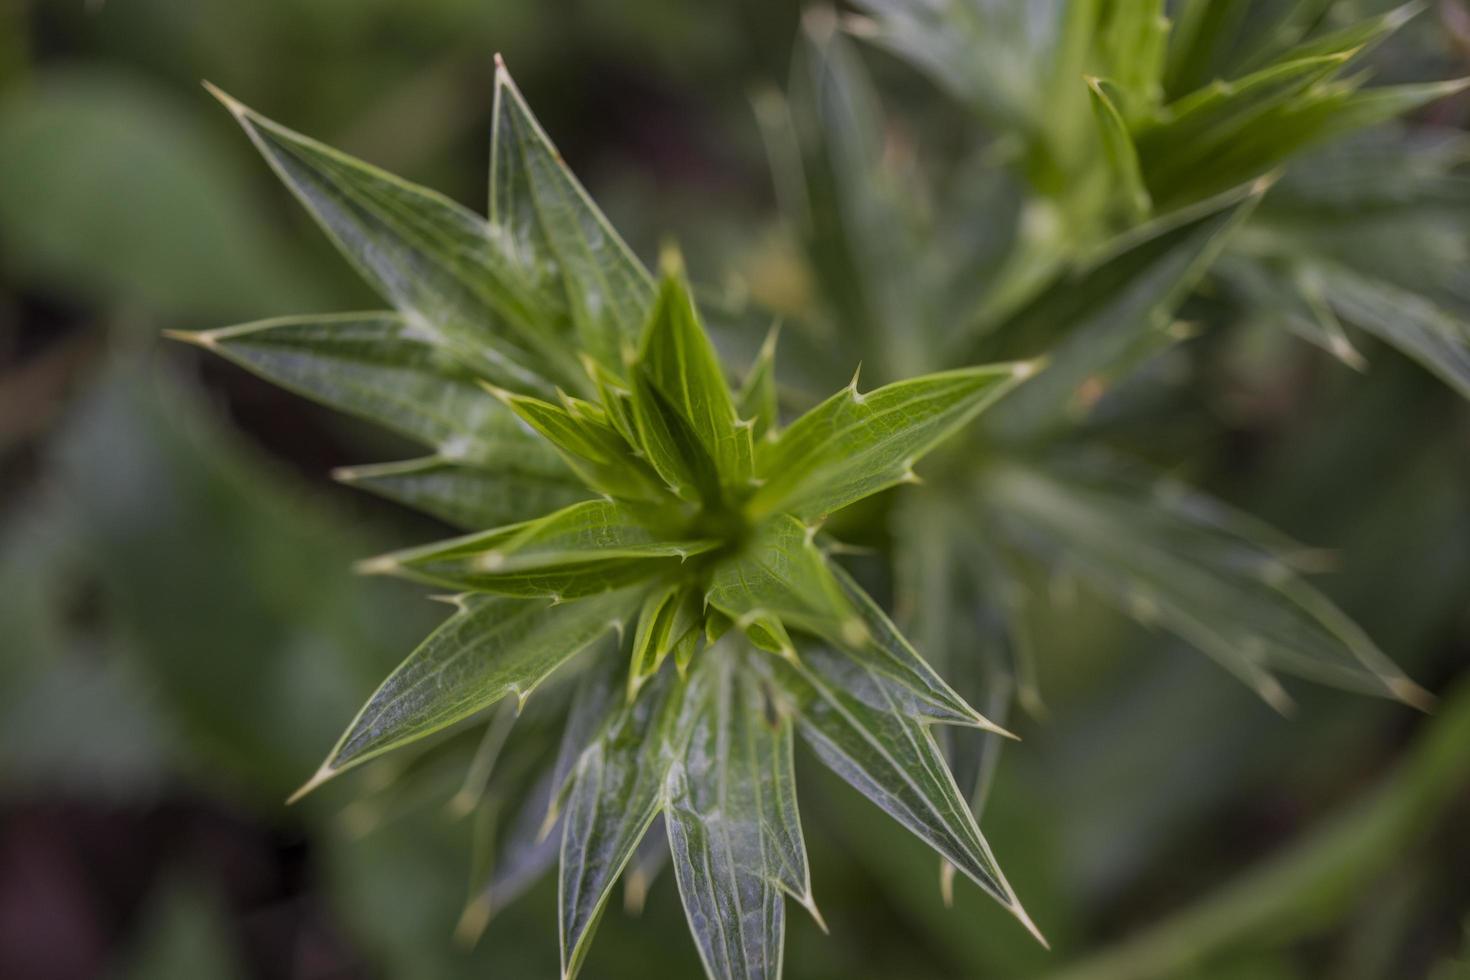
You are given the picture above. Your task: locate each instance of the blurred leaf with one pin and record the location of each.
(1093, 317)
(291, 640)
(1167, 554)
(757, 400)
(1119, 151)
(992, 55)
(110, 188)
(733, 825)
(1431, 335)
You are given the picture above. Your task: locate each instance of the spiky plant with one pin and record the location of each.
(1110, 186)
(576, 408)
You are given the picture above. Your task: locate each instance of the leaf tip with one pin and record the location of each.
(635, 892)
(1022, 370)
(1412, 694)
(323, 774)
(1264, 183)
(473, 920)
(197, 338)
(809, 902)
(506, 397)
(381, 565)
(1025, 919)
(671, 261)
(1271, 691)
(237, 108)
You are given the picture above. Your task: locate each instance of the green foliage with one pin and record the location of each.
(695, 526)
(583, 428)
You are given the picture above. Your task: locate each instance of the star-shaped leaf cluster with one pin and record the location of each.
(582, 427)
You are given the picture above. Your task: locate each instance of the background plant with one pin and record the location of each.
(1152, 783)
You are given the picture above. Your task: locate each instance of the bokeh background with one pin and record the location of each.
(180, 638)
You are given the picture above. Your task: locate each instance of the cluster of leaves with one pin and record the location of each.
(1116, 179)
(577, 407)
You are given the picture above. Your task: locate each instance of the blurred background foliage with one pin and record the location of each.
(180, 637)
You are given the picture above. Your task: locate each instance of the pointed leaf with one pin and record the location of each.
(1132, 42)
(757, 399)
(378, 367)
(554, 222)
(448, 271)
(1169, 555)
(590, 447)
(733, 824)
(677, 361)
(465, 496)
(490, 648)
(1416, 325)
(579, 550)
(888, 757)
(905, 676)
(852, 446)
(1093, 318)
(1118, 150)
(650, 642)
(617, 790)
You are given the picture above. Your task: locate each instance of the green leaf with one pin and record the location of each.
(757, 400)
(779, 576)
(449, 272)
(733, 825)
(1132, 40)
(994, 56)
(681, 403)
(617, 400)
(853, 445)
(894, 663)
(490, 648)
(1195, 131)
(576, 551)
(651, 641)
(378, 367)
(591, 447)
(1415, 324)
(1119, 151)
(1167, 554)
(889, 757)
(1092, 318)
(855, 214)
(553, 222)
(617, 790)
(469, 497)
